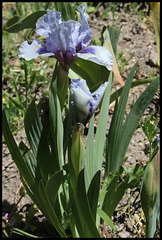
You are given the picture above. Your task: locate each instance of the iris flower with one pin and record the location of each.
(83, 103)
(65, 40)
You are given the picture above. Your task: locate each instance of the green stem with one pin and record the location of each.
(26, 85)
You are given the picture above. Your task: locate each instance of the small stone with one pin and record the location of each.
(127, 37)
(124, 234)
(119, 227)
(129, 226)
(152, 60)
(12, 175)
(143, 51)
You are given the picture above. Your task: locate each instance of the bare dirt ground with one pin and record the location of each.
(136, 37)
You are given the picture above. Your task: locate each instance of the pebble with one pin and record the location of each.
(124, 234)
(127, 37)
(12, 176)
(129, 225)
(153, 58)
(143, 51)
(120, 227)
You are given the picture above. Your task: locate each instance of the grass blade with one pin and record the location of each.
(106, 218)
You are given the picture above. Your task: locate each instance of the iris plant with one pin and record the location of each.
(60, 174)
(65, 40)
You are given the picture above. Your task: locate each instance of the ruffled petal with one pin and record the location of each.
(68, 35)
(48, 22)
(80, 84)
(30, 51)
(64, 38)
(85, 34)
(97, 54)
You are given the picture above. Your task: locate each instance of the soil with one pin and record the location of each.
(136, 37)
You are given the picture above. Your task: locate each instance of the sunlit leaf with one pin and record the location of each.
(150, 195)
(108, 45)
(17, 24)
(106, 218)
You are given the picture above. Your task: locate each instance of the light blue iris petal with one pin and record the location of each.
(80, 84)
(48, 22)
(30, 51)
(97, 96)
(79, 102)
(68, 35)
(101, 56)
(85, 34)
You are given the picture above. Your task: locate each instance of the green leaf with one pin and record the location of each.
(51, 213)
(23, 233)
(101, 128)
(67, 134)
(150, 195)
(84, 208)
(45, 163)
(110, 202)
(18, 105)
(77, 148)
(115, 193)
(93, 193)
(89, 158)
(113, 33)
(56, 123)
(75, 212)
(30, 183)
(110, 37)
(35, 196)
(66, 10)
(93, 73)
(135, 115)
(52, 186)
(33, 127)
(17, 24)
(30, 160)
(15, 153)
(112, 198)
(106, 218)
(113, 157)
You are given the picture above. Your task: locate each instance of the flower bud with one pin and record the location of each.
(83, 103)
(77, 148)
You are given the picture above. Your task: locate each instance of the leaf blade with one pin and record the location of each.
(16, 24)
